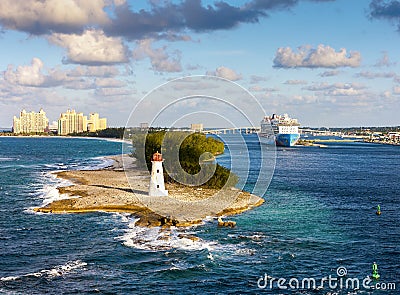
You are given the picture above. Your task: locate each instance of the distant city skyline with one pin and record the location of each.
(68, 122)
(325, 62)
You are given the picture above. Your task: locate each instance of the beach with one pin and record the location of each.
(123, 187)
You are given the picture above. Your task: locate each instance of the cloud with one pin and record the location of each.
(323, 56)
(93, 47)
(396, 90)
(296, 82)
(254, 79)
(113, 92)
(186, 15)
(225, 73)
(385, 61)
(338, 89)
(35, 75)
(329, 73)
(80, 84)
(79, 78)
(109, 82)
(44, 17)
(160, 60)
(94, 71)
(257, 88)
(26, 75)
(389, 10)
(164, 19)
(372, 75)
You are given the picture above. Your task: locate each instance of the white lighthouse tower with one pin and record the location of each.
(157, 187)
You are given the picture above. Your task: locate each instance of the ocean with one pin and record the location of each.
(318, 222)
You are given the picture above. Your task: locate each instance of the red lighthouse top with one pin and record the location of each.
(157, 157)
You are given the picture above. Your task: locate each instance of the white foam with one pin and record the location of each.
(59, 270)
(49, 192)
(6, 159)
(156, 238)
(105, 162)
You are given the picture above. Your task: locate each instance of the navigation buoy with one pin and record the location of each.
(375, 274)
(378, 210)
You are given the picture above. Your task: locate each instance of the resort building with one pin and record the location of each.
(73, 122)
(96, 123)
(31, 122)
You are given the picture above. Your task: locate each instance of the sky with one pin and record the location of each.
(325, 62)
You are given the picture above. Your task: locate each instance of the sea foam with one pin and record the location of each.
(156, 238)
(59, 270)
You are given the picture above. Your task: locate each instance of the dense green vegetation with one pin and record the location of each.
(107, 133)
(196, 156)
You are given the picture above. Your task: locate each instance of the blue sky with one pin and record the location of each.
(327, 63)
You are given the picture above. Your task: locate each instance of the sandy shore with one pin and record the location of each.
(113, 190)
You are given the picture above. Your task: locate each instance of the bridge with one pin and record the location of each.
(252, 129)
(246, 130)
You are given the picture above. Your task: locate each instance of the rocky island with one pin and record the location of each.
(124, 187)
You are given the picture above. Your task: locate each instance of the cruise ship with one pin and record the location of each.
(283, 129)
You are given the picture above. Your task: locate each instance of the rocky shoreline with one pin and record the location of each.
(113, 190)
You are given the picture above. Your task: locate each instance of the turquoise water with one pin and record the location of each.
(319, 215)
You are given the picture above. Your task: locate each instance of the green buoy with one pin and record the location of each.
(375, 274)
(378, 210)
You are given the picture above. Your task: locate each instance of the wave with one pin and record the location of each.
(98, 163)
(57, 271)
(156, 239)
(50, 183)
(6, 159)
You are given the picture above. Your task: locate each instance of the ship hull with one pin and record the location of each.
(287, 140)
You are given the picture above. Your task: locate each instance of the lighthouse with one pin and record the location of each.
(157, 187)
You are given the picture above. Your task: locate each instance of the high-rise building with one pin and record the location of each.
(71, 122)
(31, 122)
(96, 123)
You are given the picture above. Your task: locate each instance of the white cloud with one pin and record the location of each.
(254, 79)
(329, 73)
(372, 75)
(385, 61)
(92, 47)
(257, 88)
(296, 82)
(113, 92)
(43, 17)
(225, 73)
(79, 78)
(109, 82)
(36, 75)
(338, 89)
(26, 75)
(91, 71)
(345, 92)
(160, 60)
(326, 86)
(323, 56)
(396, 90)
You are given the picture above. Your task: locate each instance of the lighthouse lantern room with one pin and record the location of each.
(157, 186)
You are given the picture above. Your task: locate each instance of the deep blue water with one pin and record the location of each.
(319, 215)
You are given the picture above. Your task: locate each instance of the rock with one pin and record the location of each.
(228, 223)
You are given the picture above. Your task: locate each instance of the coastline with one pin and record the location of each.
(109, 190)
